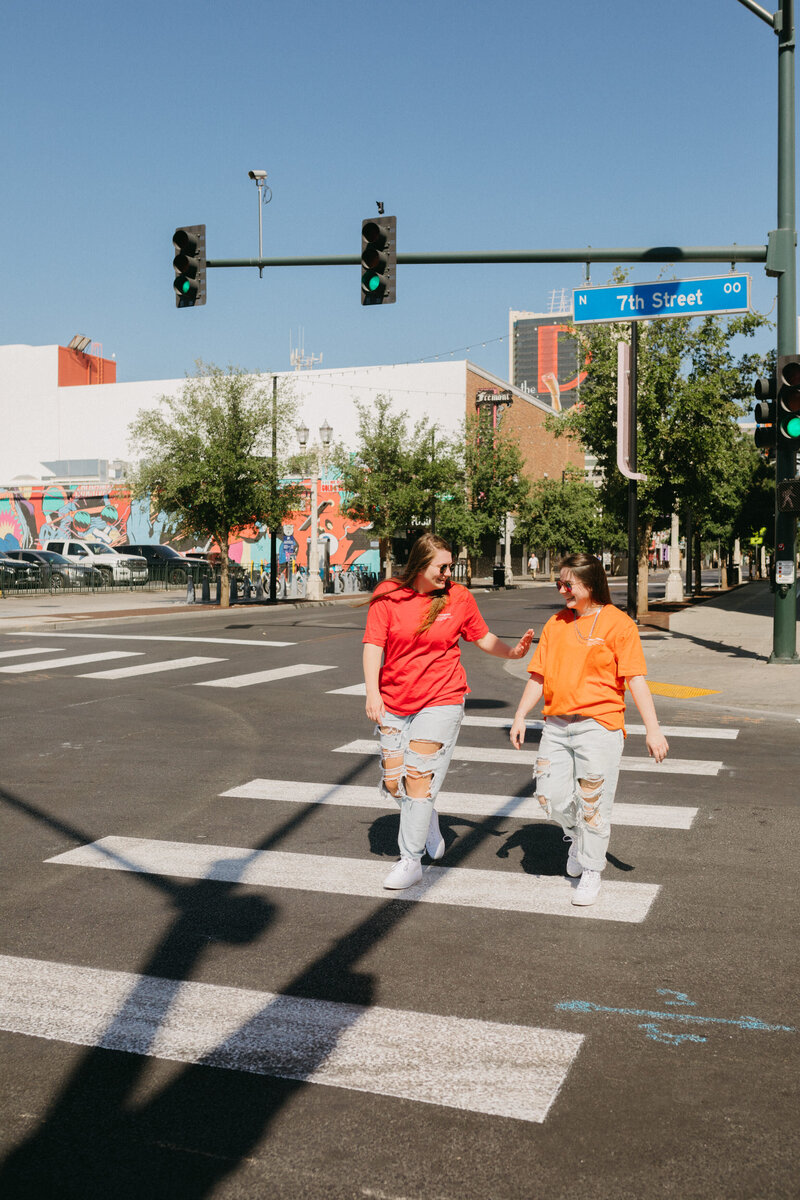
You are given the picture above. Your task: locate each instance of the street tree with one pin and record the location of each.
(205, 457)
(494, 484)
(692, 390)
(395, 478)
(565, 517)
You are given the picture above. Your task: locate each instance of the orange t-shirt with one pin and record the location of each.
(588, 676)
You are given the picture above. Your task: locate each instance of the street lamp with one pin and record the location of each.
(314, 584)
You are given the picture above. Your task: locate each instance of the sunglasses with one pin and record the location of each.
(563, 587)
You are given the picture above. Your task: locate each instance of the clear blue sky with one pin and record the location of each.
(502, 125)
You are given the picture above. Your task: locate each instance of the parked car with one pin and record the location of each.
(115, 567)
(166, 563)
(16, 574)
(56, 571)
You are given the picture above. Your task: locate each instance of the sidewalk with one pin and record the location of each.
(720, 646)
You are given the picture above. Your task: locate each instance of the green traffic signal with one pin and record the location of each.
(789, 402)
(378, 260)
(189, 265)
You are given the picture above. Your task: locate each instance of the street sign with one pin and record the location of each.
(667, 298)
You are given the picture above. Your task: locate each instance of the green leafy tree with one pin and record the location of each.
(205, 457)
(564, 517)
(691, 393)
(396, 479)
(494, 484)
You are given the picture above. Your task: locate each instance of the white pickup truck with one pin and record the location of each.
(116, 568)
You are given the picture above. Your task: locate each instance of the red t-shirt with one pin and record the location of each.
(423, 669)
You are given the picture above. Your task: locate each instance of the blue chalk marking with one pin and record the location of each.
(654, 1030)
(680, 997)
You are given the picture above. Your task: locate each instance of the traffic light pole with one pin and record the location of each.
(784, 646)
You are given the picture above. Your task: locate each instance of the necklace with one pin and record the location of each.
(587, 639)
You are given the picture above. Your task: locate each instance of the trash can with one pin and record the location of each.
(499, 577)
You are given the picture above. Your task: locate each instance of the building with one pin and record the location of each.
(544, 361)
(65, 444)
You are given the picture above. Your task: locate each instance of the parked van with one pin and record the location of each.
(115, 567)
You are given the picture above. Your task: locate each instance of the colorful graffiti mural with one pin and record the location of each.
(32, 515)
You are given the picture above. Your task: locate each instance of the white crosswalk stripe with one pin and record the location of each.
(477, 1066)
(151, 668)
(476, 722)
(30, 650)
(465, 886)
(465, 804)
(248, 680)
(72, 661)
(523, 758)
(150, 637)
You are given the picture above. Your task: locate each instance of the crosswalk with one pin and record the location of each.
(28, 660)
(466, 1062)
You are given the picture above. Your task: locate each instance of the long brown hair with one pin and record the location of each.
(421, 556)
(589, 570)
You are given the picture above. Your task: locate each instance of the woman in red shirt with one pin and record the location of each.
(416, 698)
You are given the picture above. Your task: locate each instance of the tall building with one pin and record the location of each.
(544, 361)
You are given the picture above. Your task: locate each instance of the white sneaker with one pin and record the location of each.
(574, 868)
(404, 873)
(434, 843)
(588, 888)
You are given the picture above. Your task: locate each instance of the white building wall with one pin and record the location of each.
(42, 422)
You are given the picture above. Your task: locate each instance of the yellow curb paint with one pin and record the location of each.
(679, 691)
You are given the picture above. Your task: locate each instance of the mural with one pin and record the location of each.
(35, 514)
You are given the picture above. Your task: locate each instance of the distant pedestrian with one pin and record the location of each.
(533, 565)
(586, 655)
(415, 623)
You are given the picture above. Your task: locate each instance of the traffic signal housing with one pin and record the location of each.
(765, 415)
(190, 265)
(788, 402)
(378, 260)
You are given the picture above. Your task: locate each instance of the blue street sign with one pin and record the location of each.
(668, 298)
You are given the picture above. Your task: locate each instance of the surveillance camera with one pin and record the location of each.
(257, 174)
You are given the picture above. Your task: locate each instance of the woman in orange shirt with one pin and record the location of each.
(586, 655)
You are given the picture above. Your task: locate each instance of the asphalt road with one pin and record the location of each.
(236, 1009)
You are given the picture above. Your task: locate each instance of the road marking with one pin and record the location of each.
(680, 691)
(464, 804)
(521, 758)
(153, 668)
(711, 732)
(237, 681)
(73, 661)
(656, 1021)
(146, 637)
(30, 650)
(464, 886)
(455, 1062)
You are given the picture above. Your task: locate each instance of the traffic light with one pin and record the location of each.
(378, 260)
(190, 265)
(764, 412)
(788, 402)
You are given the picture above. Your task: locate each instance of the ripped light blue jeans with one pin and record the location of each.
(417, 747)
(576, 775)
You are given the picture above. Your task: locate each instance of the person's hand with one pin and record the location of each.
(523, 645)
(517, 734)
(657, 745)
(375, 708)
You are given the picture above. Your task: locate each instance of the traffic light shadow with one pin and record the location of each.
(111, 1130)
